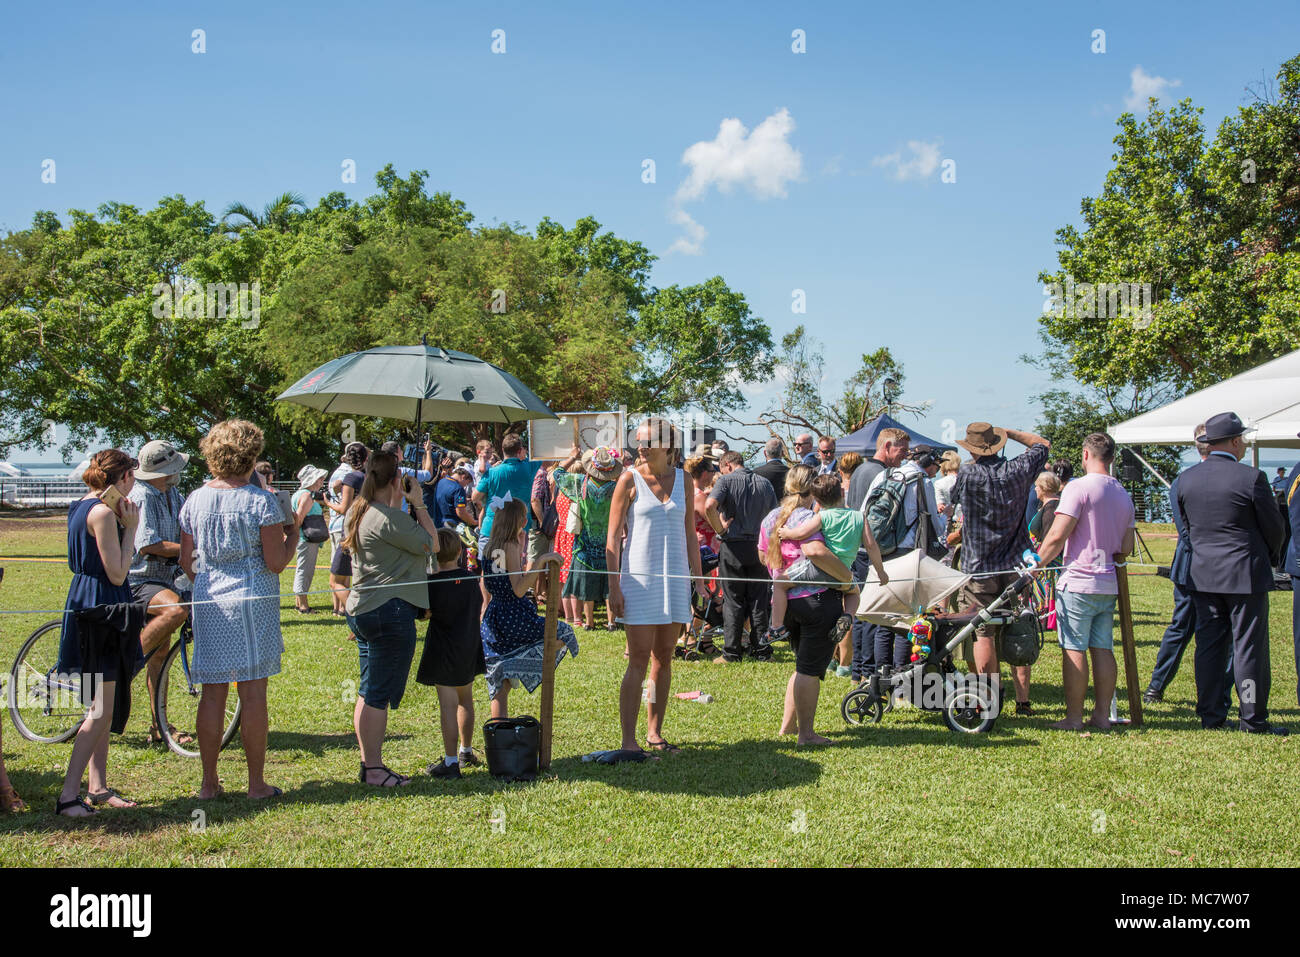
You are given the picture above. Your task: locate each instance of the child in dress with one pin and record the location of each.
(453, 654)
(845, 532)
(513, 633)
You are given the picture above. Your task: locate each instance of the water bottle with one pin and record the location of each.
(703, 699)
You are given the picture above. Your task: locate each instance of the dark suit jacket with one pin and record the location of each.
(774, 471)
(1292, 492)
(1179, 570)
(1232, 524)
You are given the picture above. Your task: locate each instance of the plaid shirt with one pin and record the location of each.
(159, 522)
(992, 492)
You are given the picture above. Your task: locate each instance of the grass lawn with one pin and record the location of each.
(905, 792)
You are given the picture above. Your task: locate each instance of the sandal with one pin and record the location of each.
(10, 801)
(180, 737)
(61, 806)
(663, 746)
(104, 797)
(392, 776)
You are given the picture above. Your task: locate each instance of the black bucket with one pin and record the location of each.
(513, 747)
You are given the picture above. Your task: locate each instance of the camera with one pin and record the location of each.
(318, 496)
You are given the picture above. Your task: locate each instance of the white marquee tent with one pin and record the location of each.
(1267, 398)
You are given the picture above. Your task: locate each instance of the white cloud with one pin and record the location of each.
(1143, 86)
(692, 244)
(762, 162)
(921, 162)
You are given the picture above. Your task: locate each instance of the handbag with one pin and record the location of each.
(573, 524)
(314, 530)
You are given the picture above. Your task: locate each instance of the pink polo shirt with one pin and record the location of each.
(1104, 513)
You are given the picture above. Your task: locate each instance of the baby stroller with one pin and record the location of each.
(698, 642)
(970, 703)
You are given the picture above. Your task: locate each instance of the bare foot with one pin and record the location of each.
(785, 730)
(208, 793)
(1067, 725)
(814, 740)
(1101, 724)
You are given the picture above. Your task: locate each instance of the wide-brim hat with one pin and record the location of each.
(308, 475)
(983, 438)
(603, 463)
(159, 459)
(1224, 426)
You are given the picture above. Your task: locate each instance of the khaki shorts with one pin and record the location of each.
(538, 545)
(979, 592)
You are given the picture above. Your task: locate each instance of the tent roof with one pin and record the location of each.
(863, 441)
(1267, 398)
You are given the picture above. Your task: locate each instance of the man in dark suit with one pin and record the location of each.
(1292, 493)
(1183, 625)
(1233, 527)
(774, 468)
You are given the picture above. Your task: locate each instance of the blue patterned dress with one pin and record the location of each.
(237, 605)
(514, 635)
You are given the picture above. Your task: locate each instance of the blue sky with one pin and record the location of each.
(559, 125)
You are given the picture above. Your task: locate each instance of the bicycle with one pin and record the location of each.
(47, 707)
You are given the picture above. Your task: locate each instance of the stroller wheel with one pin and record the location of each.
(969, 712)
(861, 706)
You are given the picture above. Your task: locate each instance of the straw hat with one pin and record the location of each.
(603, 463)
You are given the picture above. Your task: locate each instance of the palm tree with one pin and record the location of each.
(278, 214)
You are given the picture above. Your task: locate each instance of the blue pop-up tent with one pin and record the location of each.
(863, 441)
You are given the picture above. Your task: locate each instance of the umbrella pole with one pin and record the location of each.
(550, 647)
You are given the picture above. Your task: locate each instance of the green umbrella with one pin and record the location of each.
(419, 384)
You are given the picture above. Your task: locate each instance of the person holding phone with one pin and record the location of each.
(101, 544)
(234, 544)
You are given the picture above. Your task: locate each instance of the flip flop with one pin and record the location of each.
(615, 757)
(663, 747)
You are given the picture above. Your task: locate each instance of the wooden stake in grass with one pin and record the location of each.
(1131, 680)
(549, 648)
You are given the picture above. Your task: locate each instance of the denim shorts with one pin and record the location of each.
(385, 646)
(1085, 621)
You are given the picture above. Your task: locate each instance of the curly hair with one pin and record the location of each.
(231, 448)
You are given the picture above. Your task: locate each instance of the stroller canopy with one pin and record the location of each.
(915, 583)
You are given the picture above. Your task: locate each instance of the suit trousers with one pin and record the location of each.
(1295, 629)
(1175, 641)
(1232, 628)
(742, 600)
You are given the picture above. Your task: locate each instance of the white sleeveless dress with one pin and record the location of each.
(656, 547)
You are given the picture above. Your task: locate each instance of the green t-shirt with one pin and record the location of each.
(842, 529)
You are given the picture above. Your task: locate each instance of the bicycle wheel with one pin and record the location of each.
(45, 707)
(176, 700)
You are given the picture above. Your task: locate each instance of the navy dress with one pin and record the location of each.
(513, 636)
(90, 586)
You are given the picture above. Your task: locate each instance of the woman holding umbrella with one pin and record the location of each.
(652, 554)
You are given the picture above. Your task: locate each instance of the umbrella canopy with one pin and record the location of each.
(915, 582)
(863, 441)
(419, 384)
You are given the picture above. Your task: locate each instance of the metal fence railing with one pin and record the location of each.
(35, 492)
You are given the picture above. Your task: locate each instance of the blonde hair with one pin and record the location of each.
(231, 448)
(848, 462)
(894, 436)
(949, 462)
(798, 483)
(510, 519)
(1048, 483)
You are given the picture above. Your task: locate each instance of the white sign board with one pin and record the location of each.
(552, 439)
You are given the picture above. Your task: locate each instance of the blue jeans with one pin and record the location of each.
(1085, 621)
(385, 647)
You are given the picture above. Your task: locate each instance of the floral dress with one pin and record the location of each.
(587, 580)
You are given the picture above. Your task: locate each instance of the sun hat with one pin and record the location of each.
(309, 474)
(983, 439)
(603, 463)
(159, 459)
